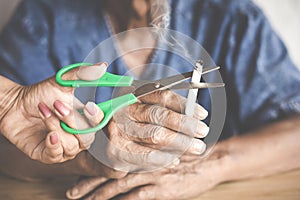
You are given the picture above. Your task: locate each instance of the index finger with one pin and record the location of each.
(173, 101)
(154, 114)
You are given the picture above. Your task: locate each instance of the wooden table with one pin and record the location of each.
(279, 187)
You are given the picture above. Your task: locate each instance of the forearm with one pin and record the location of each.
(270, 150)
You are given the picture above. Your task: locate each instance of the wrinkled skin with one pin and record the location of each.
(148, 135)
(23, 124)
(152, 133)
(188, 179)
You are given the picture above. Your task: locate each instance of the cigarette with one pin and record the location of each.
(192, 95)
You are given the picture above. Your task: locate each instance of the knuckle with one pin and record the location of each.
(171, 97)
(108, 191)
(176, 118)
(52, 123)
(52, 157)
(123, 183)
(167, 95)
(158, 114)
(56, 159)
(188, 124)
(71, 149)
(157, 135)
(152, 112)
(53, 154)
(145, 193)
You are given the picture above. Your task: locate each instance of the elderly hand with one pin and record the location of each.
(144, 136)
(22, 124)
(190, 178)
(151, 134)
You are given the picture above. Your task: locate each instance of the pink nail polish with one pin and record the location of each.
(43, 108)
(91, 108)
(53, 138)
(61, 108)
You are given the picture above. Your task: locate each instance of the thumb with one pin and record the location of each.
(93, 113)
(87, 73)
(93, 72)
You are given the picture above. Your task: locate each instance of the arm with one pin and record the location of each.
(270, 150)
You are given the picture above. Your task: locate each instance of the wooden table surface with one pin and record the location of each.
(279, 187)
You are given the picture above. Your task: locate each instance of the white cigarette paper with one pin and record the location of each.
(192, 95)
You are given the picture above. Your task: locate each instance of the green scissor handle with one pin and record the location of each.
(107, 80)
(110, 107)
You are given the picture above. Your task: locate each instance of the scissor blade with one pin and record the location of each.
(189, 74)
(182, 77)
(161, 84)
(187, 86)
(210, 69)
(165, 83)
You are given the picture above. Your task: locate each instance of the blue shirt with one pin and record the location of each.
(262, 84)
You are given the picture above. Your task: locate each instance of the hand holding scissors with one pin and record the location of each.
(141, 88)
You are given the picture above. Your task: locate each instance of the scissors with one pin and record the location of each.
(140, 89)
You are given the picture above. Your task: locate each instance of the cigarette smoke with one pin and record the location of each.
(160, 12)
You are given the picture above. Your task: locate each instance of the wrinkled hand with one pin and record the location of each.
(23, 123)
(151, 134)
(60, 145)
(190, 178)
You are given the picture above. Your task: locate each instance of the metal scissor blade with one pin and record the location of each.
(187, 86)
(187, 75)
(165, 83)
(160, 84)
(155, 86)
(210, 69)
(179, 77)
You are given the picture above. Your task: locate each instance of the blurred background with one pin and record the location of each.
(284, 16)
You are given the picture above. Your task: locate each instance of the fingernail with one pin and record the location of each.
(93, 72)
(74, 192)
(43, 108)
(202, 130)
(102, 64)
(91, 108)
(53, 138)
(201, 113)
(61, 108)
(199, 147)
(205, 131)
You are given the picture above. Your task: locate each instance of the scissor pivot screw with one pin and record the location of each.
(157, 85)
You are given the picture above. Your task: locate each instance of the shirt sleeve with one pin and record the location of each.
(25, 50)
(262, 82)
